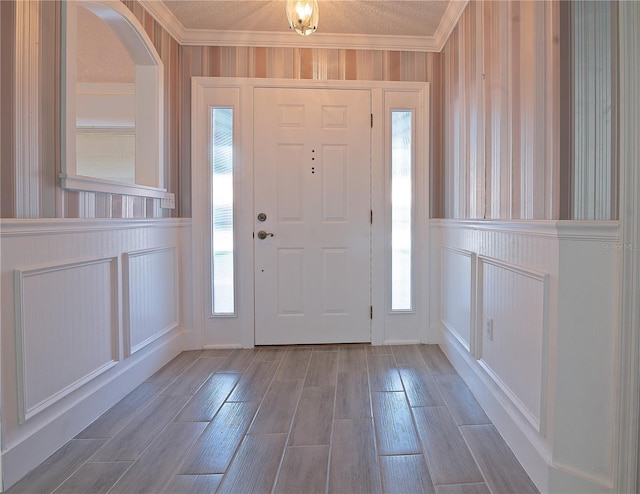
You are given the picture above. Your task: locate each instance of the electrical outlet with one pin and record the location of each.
(168, 201)
(490, 329)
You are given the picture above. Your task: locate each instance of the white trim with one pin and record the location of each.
(61, 226)
(126, 299)
(25, 413)
(244, 334)
(629, 156)
(562, 229)
(90, 184)
(208, 37)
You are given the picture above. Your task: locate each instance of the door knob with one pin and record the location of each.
(262, 235)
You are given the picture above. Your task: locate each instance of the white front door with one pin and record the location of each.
(312, 185)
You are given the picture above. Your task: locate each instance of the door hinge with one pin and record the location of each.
(371, 217)
(371, 312)
(372, 120)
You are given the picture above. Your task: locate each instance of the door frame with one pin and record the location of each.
(238, 331)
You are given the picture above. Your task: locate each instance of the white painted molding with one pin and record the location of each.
(130, 349)
(204, 37)
(24, 411)
(26, 109)
(538, 423)
(449, 21)
(529, 447)
(90, 184)
(564, 229)
(472, 346)
(58, 226)
(629, 156)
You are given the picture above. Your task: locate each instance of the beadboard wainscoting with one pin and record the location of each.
(528, 315)
(91, 308)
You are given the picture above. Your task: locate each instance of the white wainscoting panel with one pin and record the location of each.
(49, 332)
(512, 324)
(458, 289)
(64, 287)
(548, 375)
(151, 296)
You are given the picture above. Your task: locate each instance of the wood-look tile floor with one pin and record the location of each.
(335, 418)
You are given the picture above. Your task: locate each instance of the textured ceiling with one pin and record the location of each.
(367, 17)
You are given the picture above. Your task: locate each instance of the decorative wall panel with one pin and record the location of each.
(64, 353)
(458, 289)
(151, 295)
(49, 331)
(512, 322)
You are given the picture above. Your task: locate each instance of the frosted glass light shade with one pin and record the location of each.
(302, 16)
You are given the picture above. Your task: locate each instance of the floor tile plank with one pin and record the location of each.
(463, 406)
(448, 458)
(294, 364)
(138, 434)
(304, 469)
(157, 464)
(395, 432)
(436, 360)
(352, 396)
(238, 361)
(255, 467)
(322, 370)
(203, 406)
(193, 484)
(352, 360)
(464, 489)
(216, 352)
(383, 373)
(113, 420)
(50, 474)
(353, 466)
(498, 464)
(312, 423)
(406, 474)
(194, 376)
(378, 350)
(407, 355)
(421, 387)
(254, 382)
(270, 354)
(173, 369)
(94, 478)
(278, 407)
(215, 448)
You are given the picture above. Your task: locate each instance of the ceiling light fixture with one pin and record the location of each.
(302, 16)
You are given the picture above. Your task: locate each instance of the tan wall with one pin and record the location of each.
(501, 112)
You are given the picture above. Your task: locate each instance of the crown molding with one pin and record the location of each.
(449, 21)
(206, 37)
(165, 18)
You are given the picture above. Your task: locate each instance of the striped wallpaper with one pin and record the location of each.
(501, 112)
(529, 111)
(181, 63)
(304, 63)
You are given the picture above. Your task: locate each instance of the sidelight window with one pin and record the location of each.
(222, 242)
(401, 209)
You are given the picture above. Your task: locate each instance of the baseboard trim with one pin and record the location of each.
(31, 451)
(529, 448)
